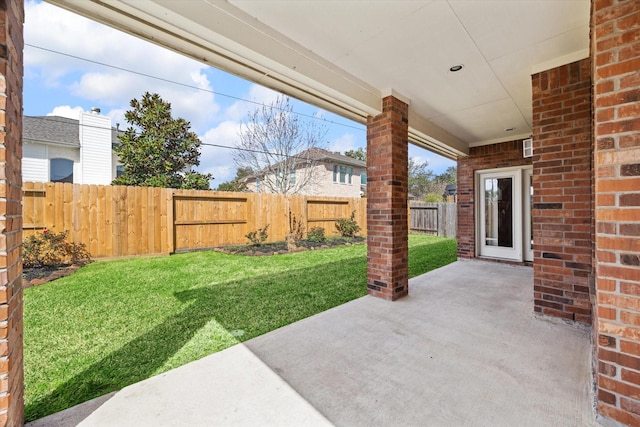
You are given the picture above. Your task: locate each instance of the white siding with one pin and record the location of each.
(35, 164)
(95, 151)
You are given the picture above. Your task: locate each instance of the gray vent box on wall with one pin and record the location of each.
(527, 147)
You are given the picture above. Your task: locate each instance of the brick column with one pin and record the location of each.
(387, 216)
(615, 48)
(562, 191)
(11, 371)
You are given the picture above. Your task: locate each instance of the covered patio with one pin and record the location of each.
(537, 101)
(464, 349)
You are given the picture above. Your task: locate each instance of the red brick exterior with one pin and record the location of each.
(11, 370)
(493, 156)
(387, 216)
(562, 191)
(615, 46)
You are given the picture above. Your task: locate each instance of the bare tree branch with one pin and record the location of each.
(277, 145)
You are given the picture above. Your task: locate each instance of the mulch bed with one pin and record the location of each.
(277, 248)
(34, 276)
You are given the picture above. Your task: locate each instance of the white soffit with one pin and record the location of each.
(343, 55)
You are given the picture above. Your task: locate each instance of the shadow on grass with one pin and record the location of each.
(254, 305)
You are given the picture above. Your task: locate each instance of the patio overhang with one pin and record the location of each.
(347, 56)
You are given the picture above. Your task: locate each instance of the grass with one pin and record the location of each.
(115, 323)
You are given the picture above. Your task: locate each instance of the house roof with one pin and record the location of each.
(51, 129)
(347, 56)
(56, 130)
(318, 155)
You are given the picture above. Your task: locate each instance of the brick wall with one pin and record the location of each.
(615, 45)
(562, 188)
(502, 155)
(387, 213)
(11, 371)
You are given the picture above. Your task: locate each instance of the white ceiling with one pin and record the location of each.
(345, 55)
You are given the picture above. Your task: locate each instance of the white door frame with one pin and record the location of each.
(527, 195)
(520, 220)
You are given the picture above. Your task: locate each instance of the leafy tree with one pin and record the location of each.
(275, 143)
(236, 184)
(450, 176)
(359, 154)
(157, 150)
(419, 179)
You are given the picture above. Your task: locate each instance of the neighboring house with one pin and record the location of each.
(333, 175)
(58, 149)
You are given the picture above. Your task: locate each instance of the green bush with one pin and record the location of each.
(259, 236)
(49, 248)
(433, 197)
(316, 235)
(348, 227)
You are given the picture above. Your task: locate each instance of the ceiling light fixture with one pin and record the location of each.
(509, 129)
(456, 68)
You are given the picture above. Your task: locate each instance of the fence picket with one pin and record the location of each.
(115, 221)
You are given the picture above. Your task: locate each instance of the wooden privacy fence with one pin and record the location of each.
(433, 218)
(115, 221)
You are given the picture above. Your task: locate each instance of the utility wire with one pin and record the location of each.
(53, 119)
(139, 73)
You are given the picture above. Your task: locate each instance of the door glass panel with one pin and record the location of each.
(498, 196)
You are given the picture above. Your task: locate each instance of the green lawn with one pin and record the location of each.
(115, 323)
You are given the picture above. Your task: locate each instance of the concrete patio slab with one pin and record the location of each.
(463, 349)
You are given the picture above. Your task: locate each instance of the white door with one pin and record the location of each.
(500, 214)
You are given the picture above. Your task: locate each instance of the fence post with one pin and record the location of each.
(171, 226)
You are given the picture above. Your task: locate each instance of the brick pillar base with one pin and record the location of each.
(387, 220)
(11, 70)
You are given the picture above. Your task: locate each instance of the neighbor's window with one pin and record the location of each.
(363, 178)
(342, 174)
(119, 170)
(257, 185)
(292, 178)
(61, 170)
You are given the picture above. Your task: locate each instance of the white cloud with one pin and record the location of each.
(67, 111)
(435, 162)
(117, 117)
(56, 29)
(258, 95)
(217, 160)
(343, 143)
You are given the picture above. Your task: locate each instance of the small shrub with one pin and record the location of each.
(348, 227)
(49, 248)
(316, 235)
(259, 236)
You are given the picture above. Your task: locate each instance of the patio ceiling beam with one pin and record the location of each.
(223, 36)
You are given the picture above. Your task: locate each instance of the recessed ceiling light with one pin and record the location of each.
(456, 68)
(509, 129)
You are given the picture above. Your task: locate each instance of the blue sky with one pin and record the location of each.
(213, 101)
